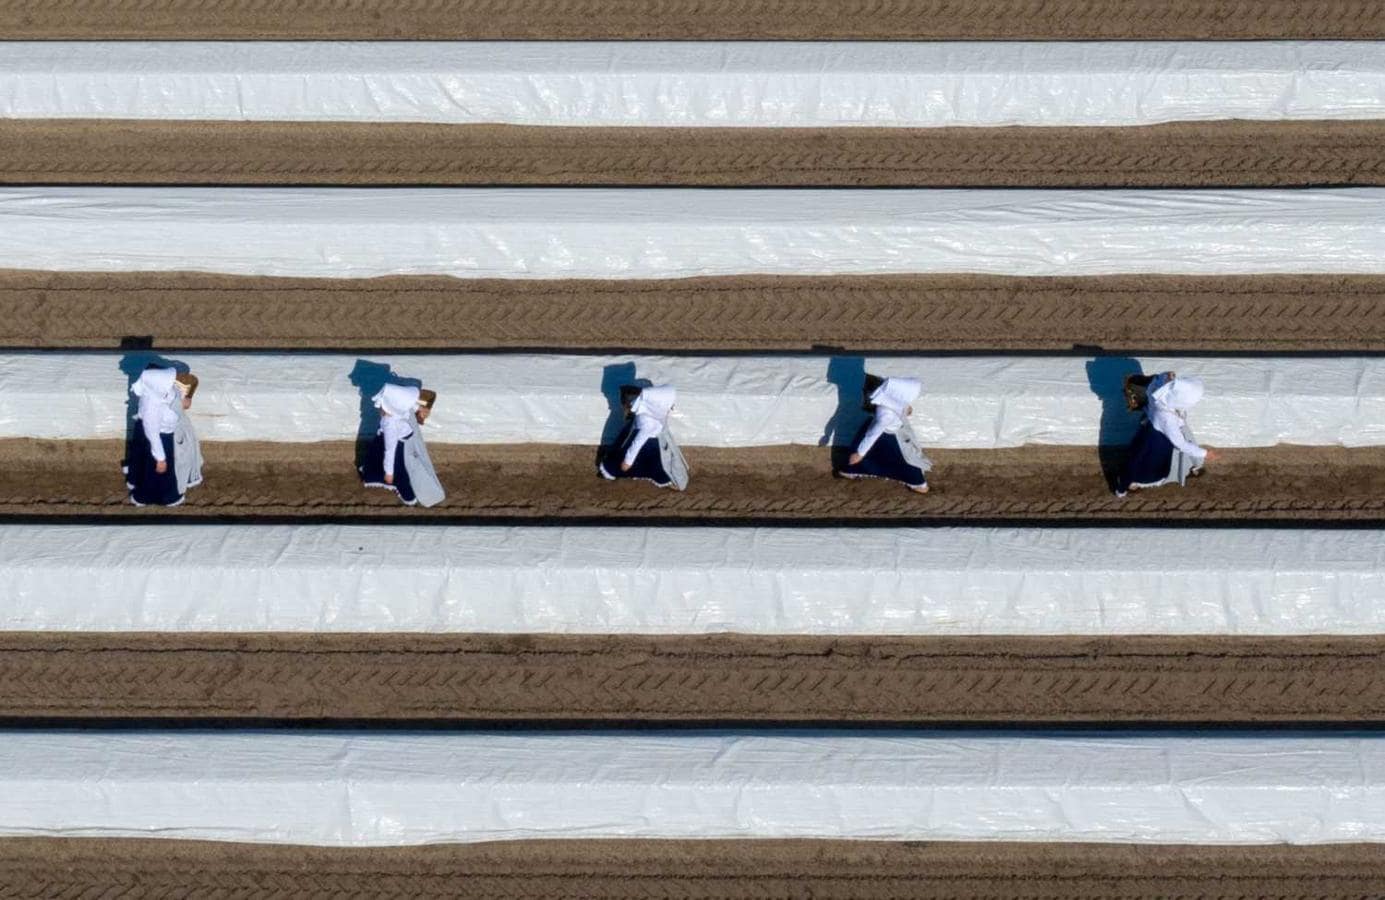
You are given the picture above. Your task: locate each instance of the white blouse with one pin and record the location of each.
(395, 429)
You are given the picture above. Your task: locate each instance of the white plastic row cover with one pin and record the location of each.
(398, 789)
(951, 581)
(967, 402)
(698, 84)
(618, 233)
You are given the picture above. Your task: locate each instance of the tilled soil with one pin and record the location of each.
(1260, 313)
(714, 679)
(690, 19)
(269, 480)
(1184, 154)
(733, 870)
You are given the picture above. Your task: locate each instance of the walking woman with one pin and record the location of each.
(163, 458)
(645, 448)
(888, 448)
(397, 458)
(1163, 451)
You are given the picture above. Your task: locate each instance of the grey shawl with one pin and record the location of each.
(909, 448)
(187, 451)
(1182, 464)
(424, 479)
(672, 458)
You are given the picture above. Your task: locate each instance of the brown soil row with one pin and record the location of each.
(691, 19)
(708, 679)
(81, 478)
(1192, 154)
(752, 312)
(56, 869)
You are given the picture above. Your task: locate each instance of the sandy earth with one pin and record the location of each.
(1188, 154)
(271, 480)
(905, 313)
(716, 679)
(730, 870)
(692, 19)
(720, 678)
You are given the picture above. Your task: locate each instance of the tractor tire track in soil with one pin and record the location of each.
(66, 869)
(707, 679)
(1180, 154)
(896, 20)
(42, 478)
(1264, 313)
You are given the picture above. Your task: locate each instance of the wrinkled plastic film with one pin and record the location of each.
(970, 402)
(346, 789)
(698, 84)
(813, 581)
(614, 233)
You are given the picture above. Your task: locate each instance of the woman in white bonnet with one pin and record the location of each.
(1163, 451)
(163, 457)
(887, 448)
(645, 448)
(397, 459)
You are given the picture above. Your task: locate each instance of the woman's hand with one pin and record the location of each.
(161, 466)
(854, 459)
(1211, 455)
(625, 467)
(389, 479)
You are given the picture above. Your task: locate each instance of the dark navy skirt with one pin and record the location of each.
(648, 464)
(885, 460)
(147, 486)
(1149, 460)
(373, 469)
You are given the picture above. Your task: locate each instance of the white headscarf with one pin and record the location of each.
(892, 400)
(896, 394)
(655, 402)
(1180, 393)
(651, 408)
(399, 400)
(156, 385)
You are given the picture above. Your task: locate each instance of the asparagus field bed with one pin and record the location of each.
(690, 20)
(1265, 313)
(708, 679)
(1182, 154)
(257, 480)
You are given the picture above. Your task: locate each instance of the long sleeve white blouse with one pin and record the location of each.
(646, 427)
(886, 421)
(395, 429)
(1170, 424)
(157, 417)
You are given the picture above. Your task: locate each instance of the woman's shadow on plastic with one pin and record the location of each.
(132, 365)
(369, 378)
(614, 377)
(1106, 377)
(848, 373)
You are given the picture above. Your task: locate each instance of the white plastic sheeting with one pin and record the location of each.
(353, 789)
(698, 84)
(949, 581)
(638, 233)
(967, 402)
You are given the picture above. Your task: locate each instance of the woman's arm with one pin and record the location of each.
(645, 429)
(877, 428)
(149, 421)
(391, 434)
(1171, 427)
